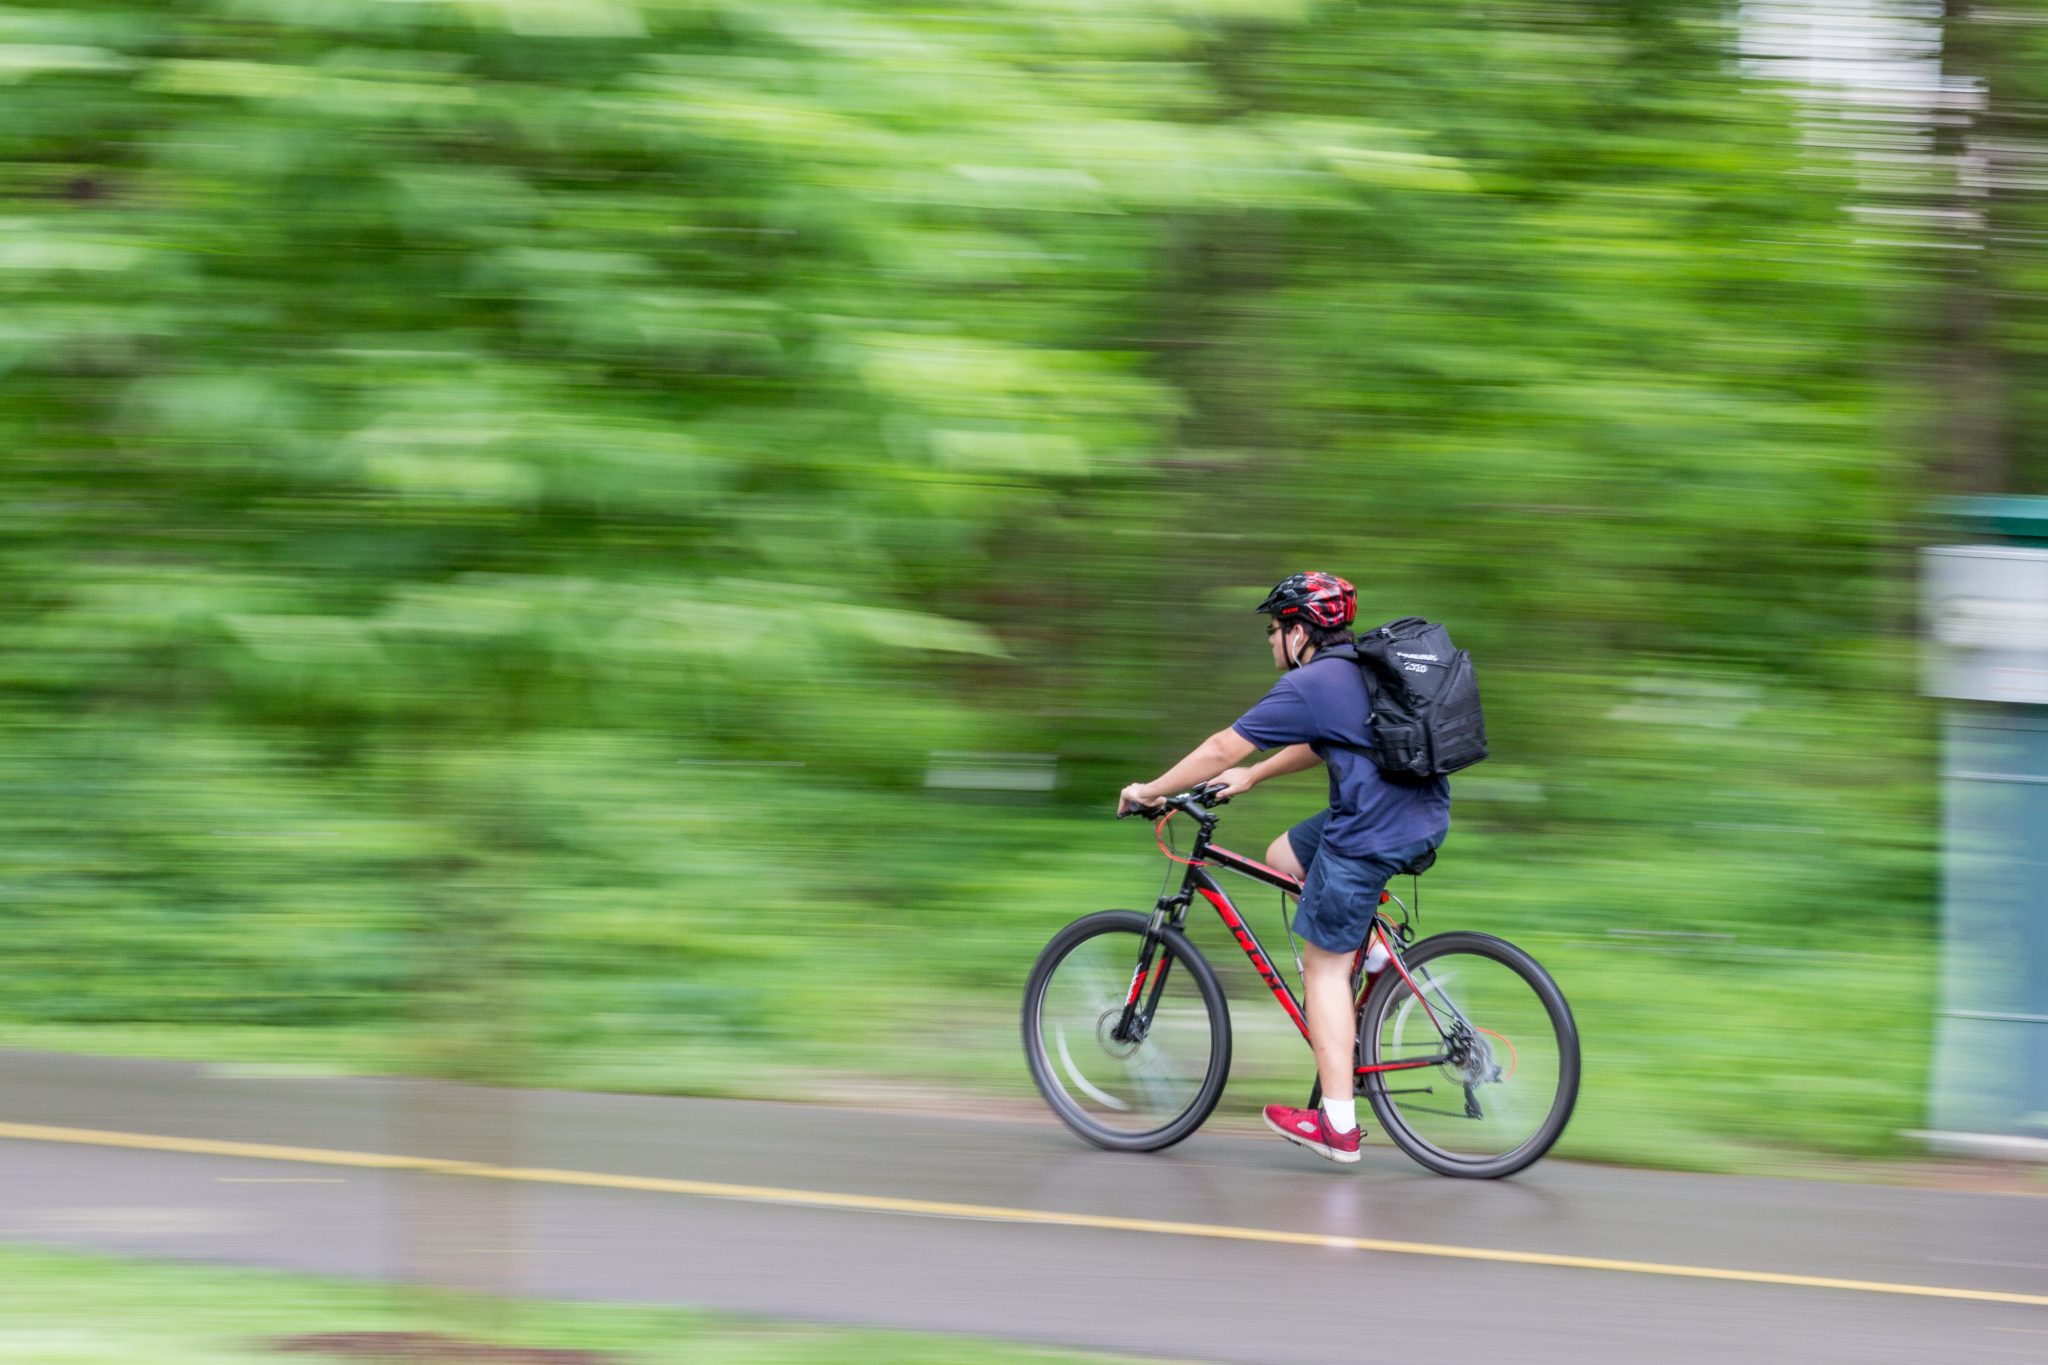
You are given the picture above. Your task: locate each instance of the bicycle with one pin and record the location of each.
(1133, 1055)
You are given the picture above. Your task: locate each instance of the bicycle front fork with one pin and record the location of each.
(1140, 1005)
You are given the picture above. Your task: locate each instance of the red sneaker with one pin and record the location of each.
(1311, 1128)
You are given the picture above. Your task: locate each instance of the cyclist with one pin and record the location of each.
(1319, 712)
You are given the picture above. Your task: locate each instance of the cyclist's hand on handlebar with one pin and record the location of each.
(1235, 782)
(1134, 800)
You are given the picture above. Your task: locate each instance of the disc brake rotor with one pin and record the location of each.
(1105, 1034)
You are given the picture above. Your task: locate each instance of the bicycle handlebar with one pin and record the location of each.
(1198, 801)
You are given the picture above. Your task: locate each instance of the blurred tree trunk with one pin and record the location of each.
(1991, 349)
(1969, 435)
(461, 1102)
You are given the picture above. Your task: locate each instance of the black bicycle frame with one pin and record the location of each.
(1136, 1020)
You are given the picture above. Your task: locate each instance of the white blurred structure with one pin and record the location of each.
(1986, 616)
(1880, 54)
(1870, 76)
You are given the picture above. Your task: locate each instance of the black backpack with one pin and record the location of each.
(1426, 720)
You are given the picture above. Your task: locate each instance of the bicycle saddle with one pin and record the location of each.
(1417, 866)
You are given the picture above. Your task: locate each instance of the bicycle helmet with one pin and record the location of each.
(1320, 599)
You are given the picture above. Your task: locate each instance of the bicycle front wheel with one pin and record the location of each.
(1485, 1052)
(1156, 1084)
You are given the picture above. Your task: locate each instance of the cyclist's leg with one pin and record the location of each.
(1338, 903)
(1332, 1016)
(1294, 853)
(1295, 850)
(1280, 854)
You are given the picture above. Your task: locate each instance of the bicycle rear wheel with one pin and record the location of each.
(1505, 1068)
(1133, 1094)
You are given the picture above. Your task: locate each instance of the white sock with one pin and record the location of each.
(1343, 1114)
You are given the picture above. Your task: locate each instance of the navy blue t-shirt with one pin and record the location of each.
(1323, 704)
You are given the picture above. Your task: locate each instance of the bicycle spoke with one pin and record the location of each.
(1129, 1086)
(1502, 1064)
(1073, 1073)
(1458, 1114)
(1101, 990)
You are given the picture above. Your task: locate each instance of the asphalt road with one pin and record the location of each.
(1225, 1248)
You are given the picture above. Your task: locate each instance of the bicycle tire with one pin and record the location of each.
(1391, 986)
(1046, 1076)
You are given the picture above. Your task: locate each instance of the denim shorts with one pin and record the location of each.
(1342, 893)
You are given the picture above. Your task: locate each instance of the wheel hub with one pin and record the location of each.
(1466, 1053)
(1105, 1034)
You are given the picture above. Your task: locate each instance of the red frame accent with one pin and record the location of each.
(1237, 862)
(1261, 964)
(1137, 984)
(1394, 958)
(1420, 998)
(1248, 942)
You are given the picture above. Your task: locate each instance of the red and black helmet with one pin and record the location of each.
(1321, 599)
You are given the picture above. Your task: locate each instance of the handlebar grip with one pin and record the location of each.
(1196, 801)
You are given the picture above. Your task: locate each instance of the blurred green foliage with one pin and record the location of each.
(508, 503)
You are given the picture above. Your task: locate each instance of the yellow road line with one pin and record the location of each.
(876, 1203)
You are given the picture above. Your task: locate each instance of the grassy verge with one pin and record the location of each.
(1730, 1038)
(1744, 930)
(70, 1309)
